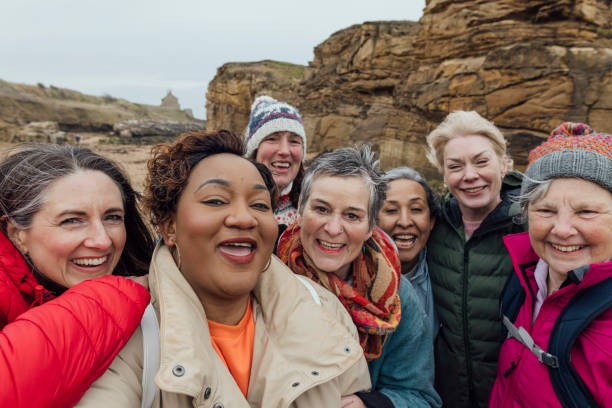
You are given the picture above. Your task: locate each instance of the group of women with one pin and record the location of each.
(380, 293)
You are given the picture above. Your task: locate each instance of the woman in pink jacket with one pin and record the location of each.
(562, 263)
(67, 216)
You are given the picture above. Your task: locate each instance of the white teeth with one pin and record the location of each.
(239, 244)
(473, 190)
(567, 248)
(90, 261)
(405, 237)
(281, 164)
(330, 245)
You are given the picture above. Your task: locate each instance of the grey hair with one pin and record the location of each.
(408, 173)
(539, 190)
(348, 162)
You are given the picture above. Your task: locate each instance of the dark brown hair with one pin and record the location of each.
(171, 164)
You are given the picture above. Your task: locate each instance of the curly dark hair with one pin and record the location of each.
(171, 164)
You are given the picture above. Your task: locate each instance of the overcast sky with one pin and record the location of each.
(137, 50)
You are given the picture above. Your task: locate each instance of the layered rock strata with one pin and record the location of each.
(526, 65)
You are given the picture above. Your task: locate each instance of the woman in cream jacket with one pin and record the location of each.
(277, 341)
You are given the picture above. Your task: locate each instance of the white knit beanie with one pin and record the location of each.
(268, 116)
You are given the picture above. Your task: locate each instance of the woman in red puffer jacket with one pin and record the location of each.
(69, 221)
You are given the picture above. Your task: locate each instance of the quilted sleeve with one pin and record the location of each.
(51, 354)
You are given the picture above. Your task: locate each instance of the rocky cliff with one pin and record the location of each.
(526, 65)
(72, 111)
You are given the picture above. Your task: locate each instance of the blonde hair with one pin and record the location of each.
(464, 123)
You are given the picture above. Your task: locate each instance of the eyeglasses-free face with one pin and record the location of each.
(78, 233)
(473, 174)
(571, 226)
(334, 222)
(406, 218)
(224, 227)
(281, 153)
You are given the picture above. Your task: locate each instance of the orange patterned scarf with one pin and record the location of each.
(372, 300)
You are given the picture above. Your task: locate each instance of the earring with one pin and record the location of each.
(363, 248)
(178, 256)
(267, 265)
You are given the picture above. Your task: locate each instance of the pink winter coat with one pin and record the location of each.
(50, 354)
(528, 384)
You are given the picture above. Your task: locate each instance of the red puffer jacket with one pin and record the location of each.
(50, 354)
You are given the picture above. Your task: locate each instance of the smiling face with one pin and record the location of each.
(334, 222)
(406, 218)
(473, 174)
(224, 227)
(569, 230)
(281, 153)
(78, 233)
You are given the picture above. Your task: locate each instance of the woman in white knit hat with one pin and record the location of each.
(275, 137)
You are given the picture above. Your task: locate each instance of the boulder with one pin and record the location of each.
(138, 128)
(40, 132)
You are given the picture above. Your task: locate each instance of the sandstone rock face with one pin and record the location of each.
(527, 66)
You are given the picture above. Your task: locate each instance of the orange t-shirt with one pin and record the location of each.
(234, 345)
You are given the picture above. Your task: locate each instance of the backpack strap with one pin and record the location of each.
(520, 334)
(150, 346)
(580, 312)
(511, 300)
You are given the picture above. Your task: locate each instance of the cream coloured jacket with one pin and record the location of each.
(305, 354)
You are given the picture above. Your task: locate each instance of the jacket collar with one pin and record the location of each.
(285, 327)
(19, 273)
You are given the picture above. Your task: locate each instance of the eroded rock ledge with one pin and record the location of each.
(525, 65)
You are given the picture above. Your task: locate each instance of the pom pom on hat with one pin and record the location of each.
(572, 150)
(269, 116)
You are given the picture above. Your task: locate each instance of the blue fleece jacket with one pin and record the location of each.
(405, 371)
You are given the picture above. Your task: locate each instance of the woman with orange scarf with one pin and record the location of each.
(335, 243)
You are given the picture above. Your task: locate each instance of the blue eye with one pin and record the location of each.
(115, 217)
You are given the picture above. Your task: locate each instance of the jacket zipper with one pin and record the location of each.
(466, 339)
